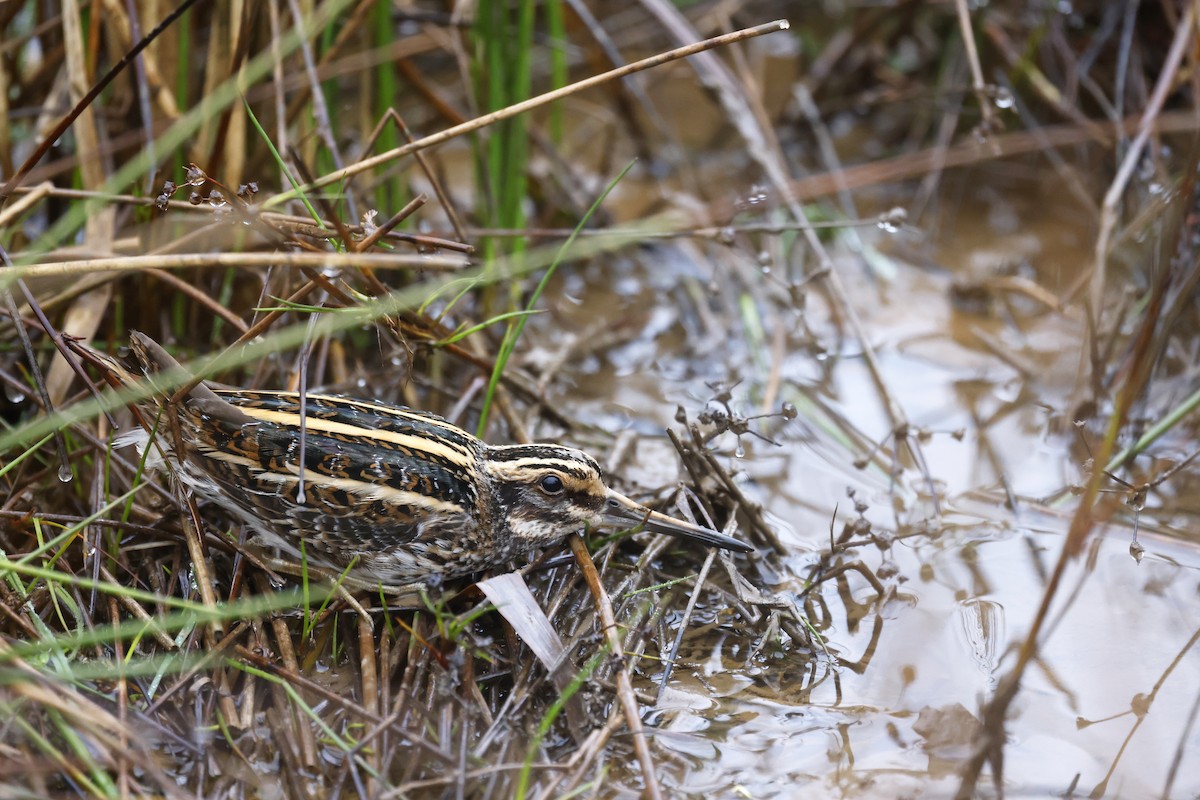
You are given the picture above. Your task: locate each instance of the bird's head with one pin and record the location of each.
(546, 492)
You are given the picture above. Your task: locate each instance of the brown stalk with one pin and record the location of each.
(244, 260)
(625, 694)
(200, 297)
(409, 209)
(423, 163)
(287, 654)
(84, 102)
(988, 745)
(368, 670)
(528, 105)
(122, 693)
(1185, 36)
(292, 675)
(435, 98)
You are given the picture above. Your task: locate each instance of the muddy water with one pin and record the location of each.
(1108, 710)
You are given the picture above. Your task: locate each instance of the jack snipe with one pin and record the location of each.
(399, 494)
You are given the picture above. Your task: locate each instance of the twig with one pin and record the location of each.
(528, 105)
(430, 175)
(977, 84)
(383, 230)
(247, 260)
(199, 296)
(1185, 35)
(625, 692)
(669, 665)
(53, 136)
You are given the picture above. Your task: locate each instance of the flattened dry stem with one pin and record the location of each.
(624, 686)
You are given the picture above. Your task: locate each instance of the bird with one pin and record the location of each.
(387, 493)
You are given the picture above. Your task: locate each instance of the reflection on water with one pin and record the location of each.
(982, 629)
(1113, 689)
(890, 706)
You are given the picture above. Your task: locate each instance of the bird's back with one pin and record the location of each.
(394, 488)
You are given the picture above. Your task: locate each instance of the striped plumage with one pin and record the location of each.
(401, 495)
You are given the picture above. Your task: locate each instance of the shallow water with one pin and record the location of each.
(904, 724)
(1109, 706)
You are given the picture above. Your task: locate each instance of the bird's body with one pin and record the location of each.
(394, 494)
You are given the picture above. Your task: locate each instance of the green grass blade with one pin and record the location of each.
(516, 328)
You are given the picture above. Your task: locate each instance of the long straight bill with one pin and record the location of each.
(620, 510)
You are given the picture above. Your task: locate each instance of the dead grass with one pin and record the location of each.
(256, 181)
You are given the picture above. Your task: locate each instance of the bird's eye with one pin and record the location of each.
(551, 484)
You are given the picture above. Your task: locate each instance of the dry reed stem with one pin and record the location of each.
(197, 295)
(29, 199)
(430, 174)
(625, 694)
(48, 141)
(1185, 35)
(528, 105)
(977, 83)
(287, 654)
(1094, 508)
(240, 260)
(914, 165)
